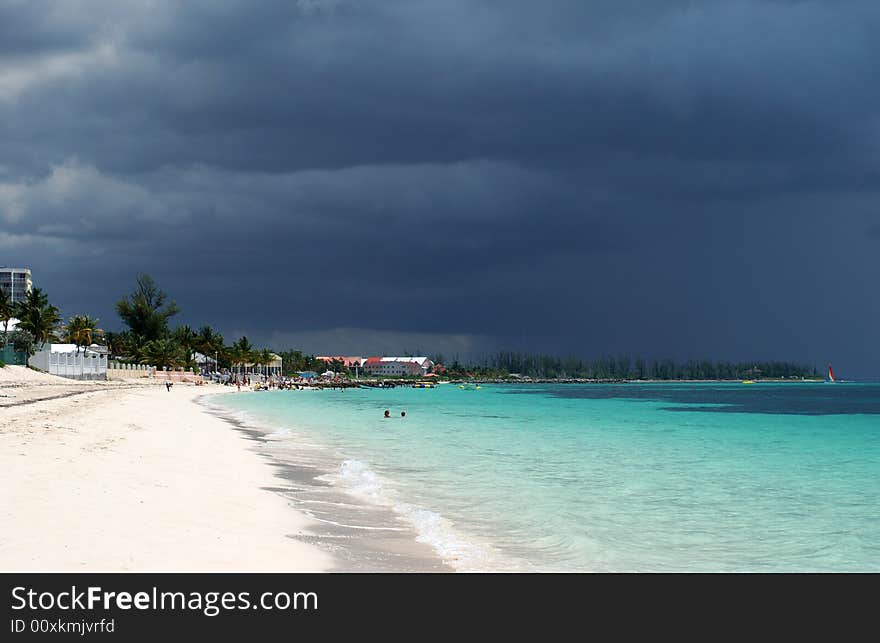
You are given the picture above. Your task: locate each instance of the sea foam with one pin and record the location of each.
(358, 479)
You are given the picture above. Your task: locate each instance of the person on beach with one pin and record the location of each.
(168, 386)
(387, 413)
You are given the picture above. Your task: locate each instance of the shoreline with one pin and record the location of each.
(134, 478)
(392, 382)
(361, 536)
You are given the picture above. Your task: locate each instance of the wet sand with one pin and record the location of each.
(361, 537)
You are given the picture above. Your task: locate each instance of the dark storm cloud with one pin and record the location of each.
(36, 26)
(588, 177)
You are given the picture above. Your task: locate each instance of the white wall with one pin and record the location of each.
(74, 365)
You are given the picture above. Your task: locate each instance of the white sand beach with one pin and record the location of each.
(126, 476)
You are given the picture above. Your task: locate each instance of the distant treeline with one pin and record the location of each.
(503, 364)
(294, 361)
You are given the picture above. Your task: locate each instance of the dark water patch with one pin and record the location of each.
(773, 399)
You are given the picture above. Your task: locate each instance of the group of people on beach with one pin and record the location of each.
(286, 384)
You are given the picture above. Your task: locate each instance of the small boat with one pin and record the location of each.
(748, 381)
(829, 377)
(423, 385)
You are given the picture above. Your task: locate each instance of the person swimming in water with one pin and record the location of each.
(387, 413)
(403, 414)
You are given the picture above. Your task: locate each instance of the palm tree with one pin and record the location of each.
(234, 356)
(186, 339)
(264, 358)
(79, 330)
(243, 351)
(162, 352)
(6, 312)
(209, 342)
(116, 342)
(134, 347)
(38, 317)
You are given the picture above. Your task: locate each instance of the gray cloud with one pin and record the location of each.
(583, 177)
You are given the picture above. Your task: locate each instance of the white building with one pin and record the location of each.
(16, 281)
(397, 366)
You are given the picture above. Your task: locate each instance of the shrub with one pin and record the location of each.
(23, 342)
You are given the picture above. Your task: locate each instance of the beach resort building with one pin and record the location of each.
(397, 366)
(272, 369)
(16, 281)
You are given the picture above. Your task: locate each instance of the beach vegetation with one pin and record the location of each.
(127, 345)
(537, 366)
(22, 342)
(38, 317)
(81, 330)
(7, 312)
(295, 361)
(240, 353)
(148, 340)
(146, 311)
(264, 358)
(185, 337)
(209, 342)
(163, 353)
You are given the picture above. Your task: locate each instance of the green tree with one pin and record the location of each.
(38, 317)
(22, 342)
(185, 337)
(209, 342)
(116, 342)
(80, 329)
(135, 347)
(145, 311)
(264, 358)
(293, 362)
(162, 352)
(241, 352)
(7, 312)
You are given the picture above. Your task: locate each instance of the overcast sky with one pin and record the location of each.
(665, 178)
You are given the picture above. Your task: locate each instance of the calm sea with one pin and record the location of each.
(632, 477)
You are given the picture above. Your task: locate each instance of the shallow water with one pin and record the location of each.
(633, 477)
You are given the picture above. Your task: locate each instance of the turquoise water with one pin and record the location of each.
(652, 477)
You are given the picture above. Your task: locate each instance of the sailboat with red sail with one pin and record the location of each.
(829, 377)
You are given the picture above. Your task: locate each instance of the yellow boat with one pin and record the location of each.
(748, 381)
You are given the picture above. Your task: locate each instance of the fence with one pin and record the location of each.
(178, 375)
(120, 371)
(75, 365)
(10, 356)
